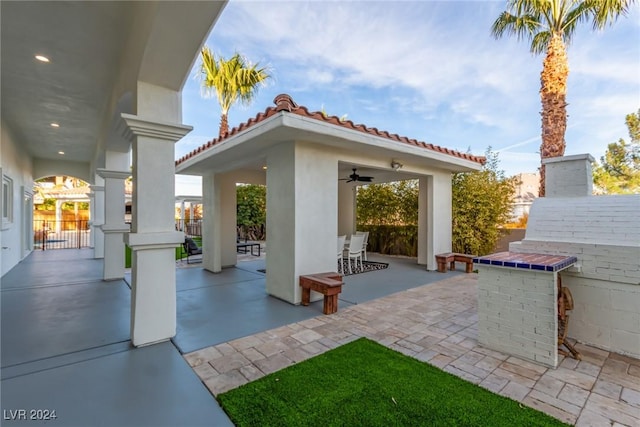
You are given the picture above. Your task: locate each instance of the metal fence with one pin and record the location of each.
(48, 234)
(191, 227)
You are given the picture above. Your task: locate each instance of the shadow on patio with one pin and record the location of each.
(65, 336)
(65, 340)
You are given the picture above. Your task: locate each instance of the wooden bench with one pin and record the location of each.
(328, 284)
(451, 258)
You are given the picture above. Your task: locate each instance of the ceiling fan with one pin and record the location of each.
(354, 177)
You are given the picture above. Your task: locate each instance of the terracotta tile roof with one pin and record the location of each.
(284, 103)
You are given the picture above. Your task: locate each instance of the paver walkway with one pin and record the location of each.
(437, 324)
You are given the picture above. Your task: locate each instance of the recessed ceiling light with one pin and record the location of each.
(61, 153)
(55, 125)
(42, 58)
(264, 168)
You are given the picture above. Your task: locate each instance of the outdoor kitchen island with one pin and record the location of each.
(518, 304)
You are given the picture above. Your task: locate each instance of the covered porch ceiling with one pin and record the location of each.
(67, 109)
(83, 43)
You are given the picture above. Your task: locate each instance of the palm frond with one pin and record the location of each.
(523, 27)
(540, 42)
(580, 13)
(525, 19)
(232, 80)
(606, 12)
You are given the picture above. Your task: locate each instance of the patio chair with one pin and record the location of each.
(191, 248)
(365, 243)
(355, 250)
(341, 240)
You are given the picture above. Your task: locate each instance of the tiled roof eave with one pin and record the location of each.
(357, 135)
(284, 104)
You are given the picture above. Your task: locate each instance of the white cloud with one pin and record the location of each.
(434, 65)
(187, 185)
(515, 162)
(319, 76)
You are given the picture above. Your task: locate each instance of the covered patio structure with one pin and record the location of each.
(301, 157)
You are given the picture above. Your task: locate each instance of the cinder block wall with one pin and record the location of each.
(606, 292)
(603, 232)
(517, 313)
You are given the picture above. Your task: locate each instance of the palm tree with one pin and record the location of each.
(232, 80)
(549, 25)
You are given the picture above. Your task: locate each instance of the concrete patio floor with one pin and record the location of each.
(438, 325)
(65, 337)
(65, 343)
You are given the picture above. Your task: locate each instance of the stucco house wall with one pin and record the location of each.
(17, 167)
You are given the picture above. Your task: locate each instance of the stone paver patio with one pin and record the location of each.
(437, 324)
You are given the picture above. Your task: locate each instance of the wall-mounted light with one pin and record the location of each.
(395, 165)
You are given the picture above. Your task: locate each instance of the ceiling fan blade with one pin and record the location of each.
(354, 177)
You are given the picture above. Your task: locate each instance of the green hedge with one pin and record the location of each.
(392, 239)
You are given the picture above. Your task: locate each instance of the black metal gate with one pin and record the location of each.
(74, 234)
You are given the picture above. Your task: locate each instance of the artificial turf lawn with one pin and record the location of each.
(366, 384)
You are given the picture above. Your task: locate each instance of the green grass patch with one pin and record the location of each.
(366, 384)
(179, 252)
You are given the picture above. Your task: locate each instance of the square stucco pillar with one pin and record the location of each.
(346, 209)
(153, 237)
(219, 222)
(438, 218)
(114, 227)
(302, 206)
(423, 226)
(97, 220)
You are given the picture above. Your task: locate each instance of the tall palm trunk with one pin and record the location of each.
(553, 92)
(224, 126)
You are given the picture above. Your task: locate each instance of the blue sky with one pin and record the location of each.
(423, 69)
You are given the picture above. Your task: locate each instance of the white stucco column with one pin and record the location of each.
(228, 220)
(211, 241)
(302, 206)
(153, 237)
(219, 223)
(182, 216)
(114, 226)
(438, 218)
(423, 225)
(346, 209)
(58, 215)
(97, 220)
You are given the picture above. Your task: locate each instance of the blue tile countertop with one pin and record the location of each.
(539, 262)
